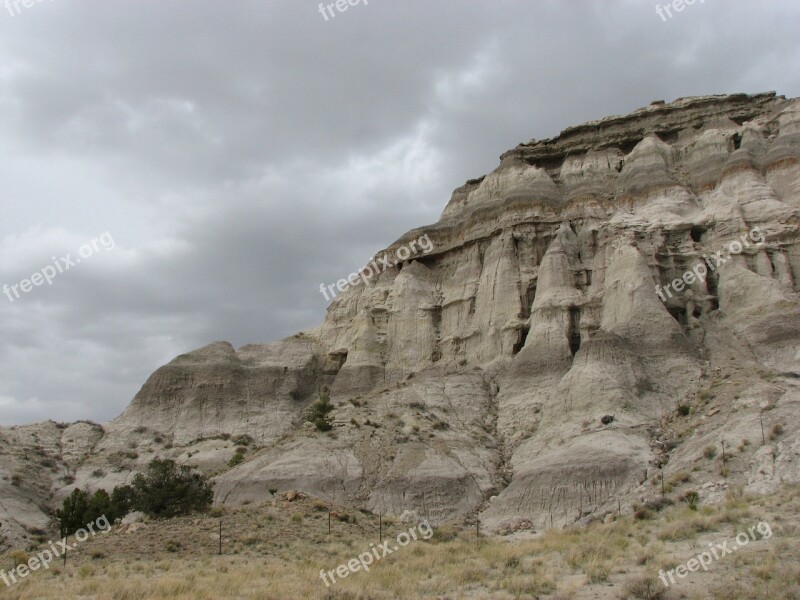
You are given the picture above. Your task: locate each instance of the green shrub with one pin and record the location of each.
(122, 501)
(167, 490)
(238, 457)
(79, 508)
(72, 512)
(319, 413)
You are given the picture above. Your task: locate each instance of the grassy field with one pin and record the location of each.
(276, 552)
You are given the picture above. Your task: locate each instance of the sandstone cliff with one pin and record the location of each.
(471, 380)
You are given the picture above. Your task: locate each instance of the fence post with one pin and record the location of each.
(64, 538)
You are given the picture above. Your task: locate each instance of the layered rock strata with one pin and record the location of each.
(471, 380)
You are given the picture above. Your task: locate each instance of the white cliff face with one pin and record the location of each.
(482, 369)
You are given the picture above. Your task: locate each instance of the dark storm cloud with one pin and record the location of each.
(243, 153)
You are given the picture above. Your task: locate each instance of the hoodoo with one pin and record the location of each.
(480, 378)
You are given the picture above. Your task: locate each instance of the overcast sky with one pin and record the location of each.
(241, 153)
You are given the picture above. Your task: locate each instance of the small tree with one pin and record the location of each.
(167, 490)
(79, 509)
(319, 413)
(99, 505)
(123, 499)
(73, 512)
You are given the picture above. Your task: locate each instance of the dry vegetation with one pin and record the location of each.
(276, 551)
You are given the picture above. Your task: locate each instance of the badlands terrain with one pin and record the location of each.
(524, 378)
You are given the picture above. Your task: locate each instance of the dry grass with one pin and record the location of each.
(270, 553)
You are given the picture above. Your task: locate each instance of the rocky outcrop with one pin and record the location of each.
(472, 379)
(256, 391)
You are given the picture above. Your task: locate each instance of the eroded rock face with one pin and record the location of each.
(255, 391)
(482, 369)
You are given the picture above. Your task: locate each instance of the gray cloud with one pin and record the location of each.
(242, 154)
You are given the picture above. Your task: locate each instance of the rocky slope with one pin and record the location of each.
(472, 380)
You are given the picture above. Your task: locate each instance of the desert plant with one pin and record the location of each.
(680, 477)
(79, 509)
(776, 432)
(238, 457)
(72, 512)
(644, 587)
(18, 557)
(691, 498)
(319, 413)
(122, 500)
(167, 490)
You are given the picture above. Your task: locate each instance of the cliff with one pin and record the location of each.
(472, 380)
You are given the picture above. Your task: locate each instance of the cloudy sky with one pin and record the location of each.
(241, 153)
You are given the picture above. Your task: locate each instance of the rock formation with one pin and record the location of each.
(471, 380)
